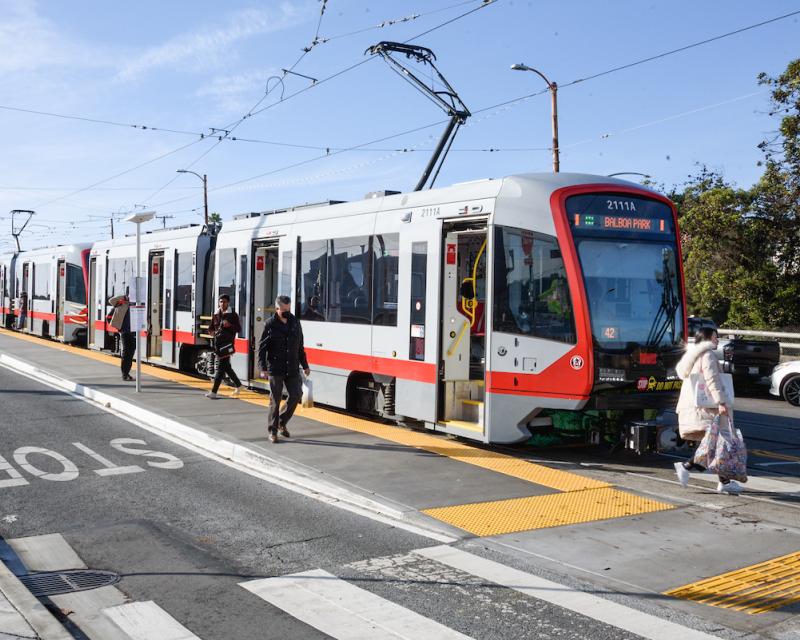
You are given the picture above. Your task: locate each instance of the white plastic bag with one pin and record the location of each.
(702, 398)
(308, 394)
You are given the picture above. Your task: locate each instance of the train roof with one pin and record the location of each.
(59, 249)
(155, 235)
(534, 184)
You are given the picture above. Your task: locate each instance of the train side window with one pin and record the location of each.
(242, 294)
(313, 280)
(386, 255)
(226, 275)
(349, 280)
(75, 290)
(42, 282)
(183, 291)
(419, 275)
(531, 291)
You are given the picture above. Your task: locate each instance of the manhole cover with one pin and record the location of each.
(53, 583)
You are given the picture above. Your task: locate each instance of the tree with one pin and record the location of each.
(742, 246)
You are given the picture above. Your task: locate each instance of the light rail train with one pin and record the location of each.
(494, 310)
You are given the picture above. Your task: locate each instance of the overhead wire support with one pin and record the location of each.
(447, 99)
(18, 232)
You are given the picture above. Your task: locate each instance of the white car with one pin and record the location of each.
(786, 382)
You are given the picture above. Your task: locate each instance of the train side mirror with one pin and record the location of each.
(468, 289)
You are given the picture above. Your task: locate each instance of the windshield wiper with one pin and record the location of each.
(665, 316)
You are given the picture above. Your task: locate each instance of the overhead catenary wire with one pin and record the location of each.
(501, 104)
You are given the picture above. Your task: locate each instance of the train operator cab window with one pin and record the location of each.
(386, 252)
(349, 277)
(226, 281)
(531, 292)
(313, 280)
(183, 291)
(75, 287)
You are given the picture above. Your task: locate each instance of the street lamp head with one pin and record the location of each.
(141, 216)
(520, 67)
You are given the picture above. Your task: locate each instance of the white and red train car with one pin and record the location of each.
(54, 279)
(8, 288)
(477, 309)
(173, 270)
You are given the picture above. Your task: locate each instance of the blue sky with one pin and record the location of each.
(191, 66)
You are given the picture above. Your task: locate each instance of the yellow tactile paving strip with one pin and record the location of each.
(542, 512)
(757, 589)
(584, 499)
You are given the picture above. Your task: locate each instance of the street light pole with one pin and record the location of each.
(204, 178)
(553, 87)
(136, 323)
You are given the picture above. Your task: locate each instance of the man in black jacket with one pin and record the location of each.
(280, 356)
(224, 327)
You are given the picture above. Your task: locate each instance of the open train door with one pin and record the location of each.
(61, 287)
(462, 373)
(155, 305)
(265, 290)
(94, 307)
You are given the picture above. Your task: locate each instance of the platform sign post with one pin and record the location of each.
(137, 308)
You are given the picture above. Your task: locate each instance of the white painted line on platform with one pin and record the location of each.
(591, 606)
(147, 621)
(345, 611)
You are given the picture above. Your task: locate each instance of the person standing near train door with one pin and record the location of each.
(22, 318)
(121, 321)
(224, 327)
(280, 356)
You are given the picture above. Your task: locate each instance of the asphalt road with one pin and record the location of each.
(184, 531)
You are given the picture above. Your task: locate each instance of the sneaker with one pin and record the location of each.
(682, 473)
(273, 437)
(284, 431)
(212, 395)
(128, 378)
(732, 487)
(235, 392)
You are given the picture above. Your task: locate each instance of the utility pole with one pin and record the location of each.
(18, 232)
(553, 87)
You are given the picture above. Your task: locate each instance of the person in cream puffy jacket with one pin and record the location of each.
(694, 421)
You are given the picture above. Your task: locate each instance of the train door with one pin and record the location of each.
(61, 288)
(462, 346)
(169, 312)
(3, 296)
(265, 290)
(91, 305)
(28, 281)
(155, 305)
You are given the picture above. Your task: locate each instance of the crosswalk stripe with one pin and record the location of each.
(344, 611)
(147, 621)
(611, 613)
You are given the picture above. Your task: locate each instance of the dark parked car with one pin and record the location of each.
(747, 360)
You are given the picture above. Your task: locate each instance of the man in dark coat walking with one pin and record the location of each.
(280, 356)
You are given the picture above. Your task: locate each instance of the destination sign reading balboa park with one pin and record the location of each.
(599, 213)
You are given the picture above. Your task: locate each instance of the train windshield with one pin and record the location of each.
(628, 254)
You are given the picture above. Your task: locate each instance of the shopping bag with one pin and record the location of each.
(729, 457)
(707, 448)
(308, 394)
(702, 397)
